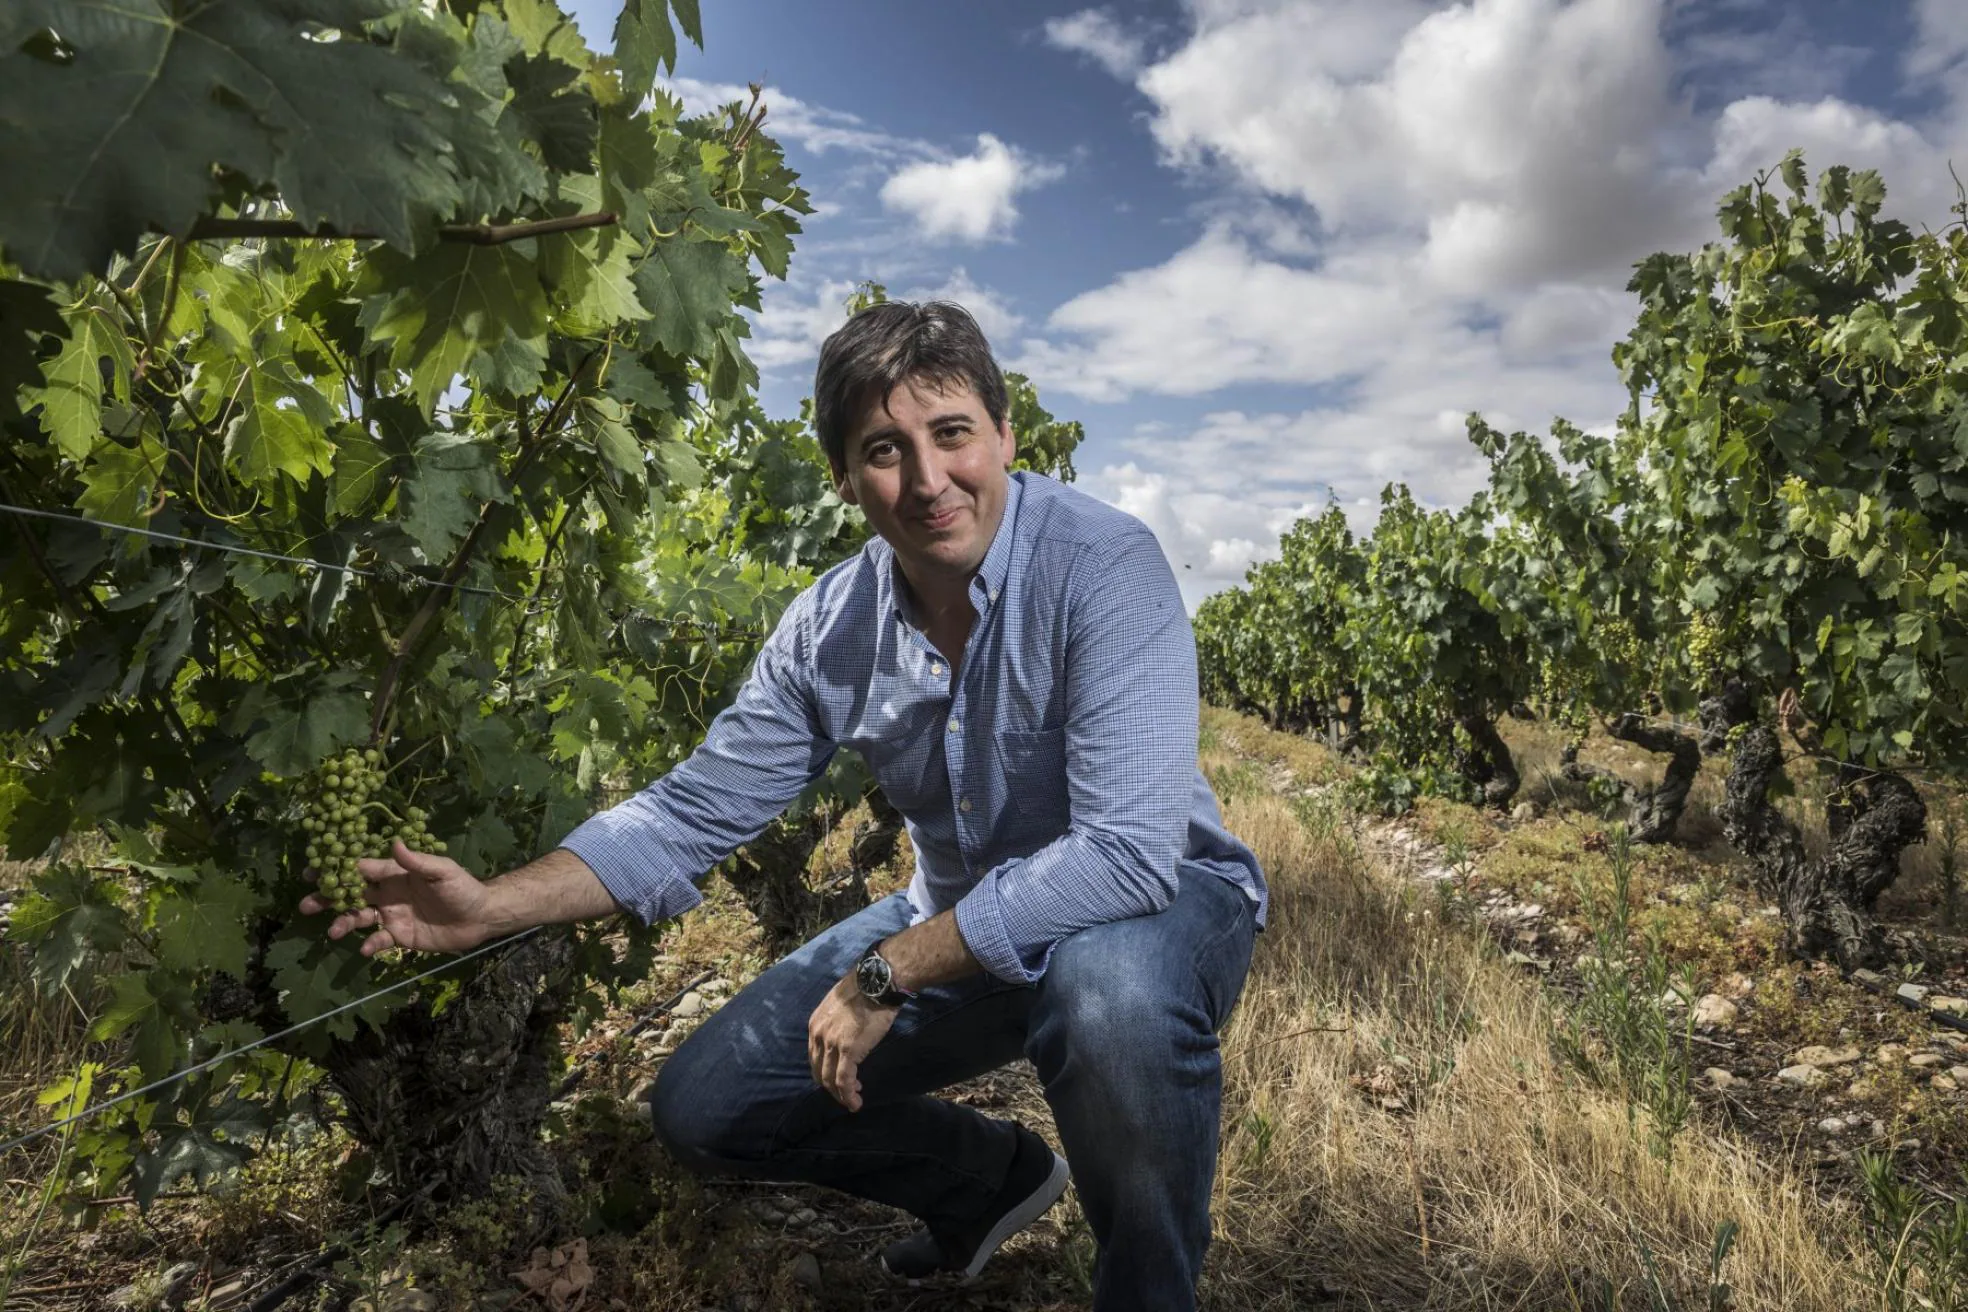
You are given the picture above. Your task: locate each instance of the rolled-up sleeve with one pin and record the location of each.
(1130, 741)
(650, 850)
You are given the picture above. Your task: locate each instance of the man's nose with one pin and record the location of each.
(927, 476)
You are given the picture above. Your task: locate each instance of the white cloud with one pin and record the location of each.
(794, 319)
(969, 198)
(998, 320)
(1428, 210)
(1098, 35)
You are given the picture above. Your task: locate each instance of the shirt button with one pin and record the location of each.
(964, 806)
(994, 594)
(936, 669)
(954, 726)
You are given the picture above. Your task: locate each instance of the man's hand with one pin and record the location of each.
(844, 1029)
(417, 900)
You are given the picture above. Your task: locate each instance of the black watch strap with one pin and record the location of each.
(876, 979)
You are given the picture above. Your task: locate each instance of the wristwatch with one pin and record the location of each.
(876, 979)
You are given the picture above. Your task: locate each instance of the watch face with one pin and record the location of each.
(872, 976)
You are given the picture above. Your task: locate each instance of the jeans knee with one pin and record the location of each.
(1122, 1035)
(700, 1128)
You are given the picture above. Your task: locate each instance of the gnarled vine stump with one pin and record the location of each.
(1651, 813)
(1826, 903)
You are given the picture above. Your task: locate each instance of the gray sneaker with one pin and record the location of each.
(1037, 1178)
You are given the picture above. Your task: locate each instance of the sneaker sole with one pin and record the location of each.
(1036, 1204)
(1021, 1216)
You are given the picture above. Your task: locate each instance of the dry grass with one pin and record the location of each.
(1489, 1178)
(1397, 1132)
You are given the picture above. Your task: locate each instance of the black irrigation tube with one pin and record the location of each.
(642, 1023)
(1877, 983)
(309, 1269)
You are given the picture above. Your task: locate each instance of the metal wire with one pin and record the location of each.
(210, 1062)
(720, 632)
(235, 549)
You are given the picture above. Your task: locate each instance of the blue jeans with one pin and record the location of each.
(1122, 1029)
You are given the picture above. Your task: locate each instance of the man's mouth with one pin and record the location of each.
(942, 518)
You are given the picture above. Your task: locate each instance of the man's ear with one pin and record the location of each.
(1008, 440)
(843, 488)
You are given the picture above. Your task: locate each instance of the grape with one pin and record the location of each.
(350, 814)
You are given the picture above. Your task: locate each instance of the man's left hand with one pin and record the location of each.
(844, 1029)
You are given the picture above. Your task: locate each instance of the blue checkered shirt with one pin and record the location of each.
(1053, 787)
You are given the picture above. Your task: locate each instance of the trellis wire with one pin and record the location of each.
(230, 1053)
(720, 632)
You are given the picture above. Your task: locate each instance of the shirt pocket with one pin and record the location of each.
(1034, 763)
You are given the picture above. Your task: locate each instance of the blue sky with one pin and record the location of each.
(1274, 250)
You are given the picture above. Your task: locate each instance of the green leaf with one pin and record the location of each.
(437, 311)
(592, 275)
(146, 1001)
(209, 927)
(687, 287)
(71, 395)
(307, 719)
(350, 131)
(452, 476)
(680, 464)
(644, 43)
(361, 464)
(27, 318)
(552, 111)
(274, 434)
(315, 976)
(70, 920)
(118, 481)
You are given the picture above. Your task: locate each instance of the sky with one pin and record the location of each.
(1272, 252)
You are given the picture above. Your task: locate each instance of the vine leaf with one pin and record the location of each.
(687, 287)
(148, 1002)
(278, 430)
(70, 919)
(352, 132)
(451, 476)
(71, 393)
(117, 481)
(195, 1150)
(645, 40)
(447, 305)
(307, 719)
(209, 928)
(560, 122)
(315, 976)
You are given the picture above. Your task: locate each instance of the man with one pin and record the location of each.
(1014, 661)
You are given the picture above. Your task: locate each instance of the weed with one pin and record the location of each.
(1948, 850)
(1621, 1034)
(1921, 1244)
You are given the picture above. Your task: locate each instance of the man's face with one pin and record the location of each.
(928, 470)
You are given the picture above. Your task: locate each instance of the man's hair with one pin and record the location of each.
(886, 345)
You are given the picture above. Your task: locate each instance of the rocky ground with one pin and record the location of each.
(1807, 1066)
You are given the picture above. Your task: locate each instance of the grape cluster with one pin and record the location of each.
(1705, 649)
(347, 792)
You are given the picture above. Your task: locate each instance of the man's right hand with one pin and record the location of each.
(417, 900)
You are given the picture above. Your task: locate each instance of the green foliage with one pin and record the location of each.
(541, 518)
(1275, 645)
(1804, 455)
(1784, 502)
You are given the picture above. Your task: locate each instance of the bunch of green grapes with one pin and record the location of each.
(1705, 650)
(341, 824)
